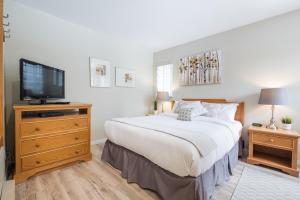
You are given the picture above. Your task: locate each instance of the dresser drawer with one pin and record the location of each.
(41, 159)
(49, 126)
(52, 142)
(273, 140)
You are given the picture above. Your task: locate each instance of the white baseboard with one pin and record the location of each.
(100, 141)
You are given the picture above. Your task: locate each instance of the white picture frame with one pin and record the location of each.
(100, 73)
(125, 77)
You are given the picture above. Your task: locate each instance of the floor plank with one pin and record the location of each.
(95, 180)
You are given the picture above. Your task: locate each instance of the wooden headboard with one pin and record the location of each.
(239, 115)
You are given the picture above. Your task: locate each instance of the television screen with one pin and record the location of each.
(39, 81)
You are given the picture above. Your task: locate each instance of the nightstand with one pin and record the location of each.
(274, 148)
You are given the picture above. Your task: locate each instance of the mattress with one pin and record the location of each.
(171, 153)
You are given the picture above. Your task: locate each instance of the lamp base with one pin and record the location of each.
(272, 121)
(272, 126)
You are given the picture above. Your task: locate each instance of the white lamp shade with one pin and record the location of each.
(163, 96)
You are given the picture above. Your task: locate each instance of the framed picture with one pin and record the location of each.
(100, 73)
(201, 69)
(125, 77)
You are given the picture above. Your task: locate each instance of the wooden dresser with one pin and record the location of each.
(274, 148)
(44, 143)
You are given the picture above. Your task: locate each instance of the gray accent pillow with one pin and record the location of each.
(185, 114)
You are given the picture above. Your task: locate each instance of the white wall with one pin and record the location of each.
(49, 40)
(264, 54)
(2, 168)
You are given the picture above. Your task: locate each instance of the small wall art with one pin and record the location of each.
(125, 77)
(201, 69)
(100, 73)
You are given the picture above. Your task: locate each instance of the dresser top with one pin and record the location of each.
(279, 131)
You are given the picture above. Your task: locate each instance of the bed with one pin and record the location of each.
(176, 159)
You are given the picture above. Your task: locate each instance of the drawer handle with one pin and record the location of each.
(37, 162)
(37, 129)
(76, 152)
(76, 138)
(76, 124)
(271, 140)
(37, 145)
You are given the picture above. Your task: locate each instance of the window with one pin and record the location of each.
(164, 78)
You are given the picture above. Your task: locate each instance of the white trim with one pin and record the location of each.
(298, 163)
(100, 141)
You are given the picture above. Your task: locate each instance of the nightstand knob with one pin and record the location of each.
(271, 140)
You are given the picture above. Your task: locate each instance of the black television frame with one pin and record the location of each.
(43, 99)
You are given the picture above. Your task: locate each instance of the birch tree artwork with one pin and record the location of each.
(200, 69)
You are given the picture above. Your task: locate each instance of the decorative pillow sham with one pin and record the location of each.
(221, 111)
(185, 114)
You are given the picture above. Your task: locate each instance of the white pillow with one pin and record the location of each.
(197, 107)
(221, 111)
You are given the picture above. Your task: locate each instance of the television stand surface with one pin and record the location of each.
(49, 103)
(62, 102)
(51, 114)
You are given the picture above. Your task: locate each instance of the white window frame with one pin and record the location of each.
(164, 78)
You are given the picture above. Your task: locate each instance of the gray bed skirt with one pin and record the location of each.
(138, 169)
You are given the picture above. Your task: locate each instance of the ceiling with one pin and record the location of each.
(160, 24)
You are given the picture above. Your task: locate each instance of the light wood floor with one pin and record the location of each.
(95, 180)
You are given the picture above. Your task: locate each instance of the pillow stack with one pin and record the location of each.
(188, 110)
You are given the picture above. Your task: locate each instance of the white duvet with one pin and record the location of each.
(155, 138)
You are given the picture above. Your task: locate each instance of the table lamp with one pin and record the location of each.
(273, 96)
(162, 96)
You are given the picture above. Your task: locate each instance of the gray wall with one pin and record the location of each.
(264, 54)
(49, 40)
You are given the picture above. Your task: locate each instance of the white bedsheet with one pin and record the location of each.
(172, 153)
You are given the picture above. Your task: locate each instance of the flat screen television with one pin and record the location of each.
(40, 82)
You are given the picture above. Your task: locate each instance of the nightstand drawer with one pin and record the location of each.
(273, 140)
